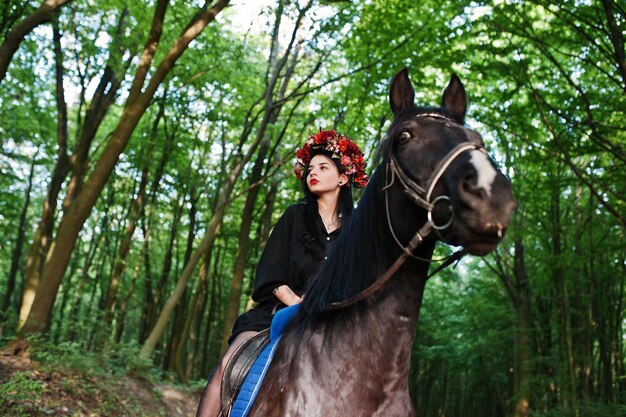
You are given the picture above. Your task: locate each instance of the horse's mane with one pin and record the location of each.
(361, 252)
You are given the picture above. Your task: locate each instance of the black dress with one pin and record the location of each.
(292, 255)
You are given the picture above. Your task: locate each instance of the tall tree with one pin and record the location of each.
(18, 31)
(274, 99)
(136, 104)
(19, 242)
(76, 163)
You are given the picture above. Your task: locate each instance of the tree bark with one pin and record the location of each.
(270, 116)
(562, 297)
(208, 345)
(18, 32)
(207, 241)
(150, 297)
(617, 40)
(184, 314)
(582, 306)
(124, 250)
(100, 103)
(74, 314)
(189, 332)
(155, 294)
(522, 339)
(121, 312)
(104, 96)
(19, 242)
(42, 239)
(73, 220)
(241, 258)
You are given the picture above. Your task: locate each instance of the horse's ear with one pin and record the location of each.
(455, 99)
(401, 94)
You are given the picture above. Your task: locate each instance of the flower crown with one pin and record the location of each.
(340, 148)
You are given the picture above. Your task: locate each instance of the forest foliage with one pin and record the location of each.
(147, 150)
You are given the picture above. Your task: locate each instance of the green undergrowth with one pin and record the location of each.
(65, 380)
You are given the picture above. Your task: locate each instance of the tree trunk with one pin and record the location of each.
(100, 103)
(158, 292)
(582, 306)
(148, 291)
(74, 315)
(207, 241)
(562, 297)
(124, 250)
(241, 258)
(42, 239)
(121, 312)
(104, 96)
(183, 313)
(189, 332)
(617, 40)
(215, 295)
(618, 336)
(19, 243)
(150, 297)
(522, 339)
(270, 116)
(18, 32)
(73, 220)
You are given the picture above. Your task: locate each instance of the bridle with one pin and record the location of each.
(421, 196)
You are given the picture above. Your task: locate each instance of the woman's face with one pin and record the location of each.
(323, 176)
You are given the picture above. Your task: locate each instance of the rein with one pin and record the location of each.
(422, 197)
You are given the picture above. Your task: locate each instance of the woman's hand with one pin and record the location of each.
(286, 295)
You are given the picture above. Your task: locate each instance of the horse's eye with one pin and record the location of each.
(404, 137)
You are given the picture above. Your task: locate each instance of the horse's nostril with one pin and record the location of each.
(497, 228)
(470, 186)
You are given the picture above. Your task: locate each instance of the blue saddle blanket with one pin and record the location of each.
(254, 379)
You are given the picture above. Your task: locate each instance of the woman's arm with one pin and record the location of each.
(286, 295)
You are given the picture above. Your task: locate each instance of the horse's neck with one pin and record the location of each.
(395, 311)
(356, 357)
(400, 301)
(384, 324)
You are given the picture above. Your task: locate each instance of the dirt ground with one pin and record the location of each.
(28, 388)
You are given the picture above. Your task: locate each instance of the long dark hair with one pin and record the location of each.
(352, 260)
(313, 228)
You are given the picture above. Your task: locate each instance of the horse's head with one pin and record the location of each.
(443, 167)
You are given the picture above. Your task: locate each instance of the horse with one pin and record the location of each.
(347, 349)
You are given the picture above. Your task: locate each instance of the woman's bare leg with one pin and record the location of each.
(210, 403)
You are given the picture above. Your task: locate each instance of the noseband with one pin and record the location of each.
(422, 197)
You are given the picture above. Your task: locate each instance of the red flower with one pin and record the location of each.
(361, 180)
(342, 148)
(323, 136)
(303, 153)
(343, 144)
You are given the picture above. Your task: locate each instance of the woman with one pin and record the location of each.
(328, 166)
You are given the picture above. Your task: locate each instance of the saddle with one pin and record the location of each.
(243, 374)
(238, 367)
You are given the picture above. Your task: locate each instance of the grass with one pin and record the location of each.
(64, 380)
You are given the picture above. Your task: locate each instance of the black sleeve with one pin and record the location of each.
(273, 268)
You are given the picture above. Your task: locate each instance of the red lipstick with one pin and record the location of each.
(313, 181)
